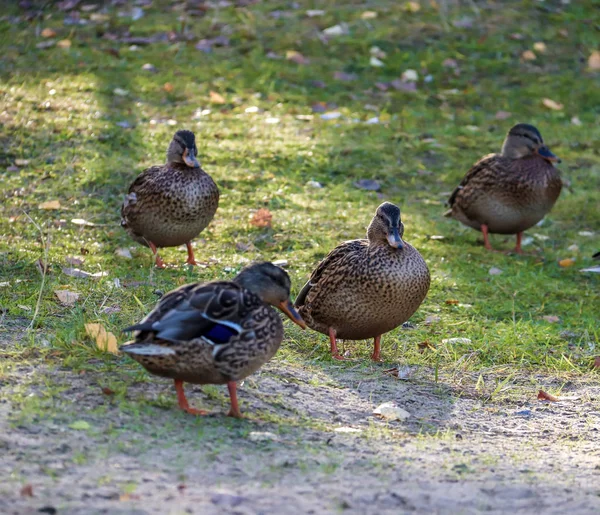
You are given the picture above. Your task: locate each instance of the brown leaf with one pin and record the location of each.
(262, 218)
(597, 362)
(551, 104)
(217, 98)
(543, 396)
(105, 340)
(452, 302)
(426, 345)
(594, 61)
(296, 57)
(50, 204)
(48, 33)
(168, 87)
(107, 391)
(66, 297)
(27, 490)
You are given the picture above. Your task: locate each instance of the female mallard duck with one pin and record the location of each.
(365, 288)
(510, 192)
(170, 205)
(215, 333)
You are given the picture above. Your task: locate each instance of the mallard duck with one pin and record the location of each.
(215, 333)
(169, 205)
(364, 288)
(510, 192)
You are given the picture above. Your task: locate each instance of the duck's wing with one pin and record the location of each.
(334, 263)
(214, 312)
(487, 164)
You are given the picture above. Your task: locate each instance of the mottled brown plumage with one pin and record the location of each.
(365, 288)
(215, 333)
(510, 192)
(169, 205)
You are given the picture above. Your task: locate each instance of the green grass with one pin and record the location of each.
(60, 112)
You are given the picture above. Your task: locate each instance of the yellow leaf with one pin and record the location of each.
(540, 47)
(528, 55)
(168, 87)
(551, 104)
(368, 15)
(64, 43)
(566, 263)
(412, 7)
(594, 60)
(216, 98)
(51, 204)
(105, 340)
(48, 33)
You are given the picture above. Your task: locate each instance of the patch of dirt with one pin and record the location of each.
(134, 452)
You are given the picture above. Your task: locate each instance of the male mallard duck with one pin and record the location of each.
(510, 192)
(365, 288)
(170, 205)
(215, 333)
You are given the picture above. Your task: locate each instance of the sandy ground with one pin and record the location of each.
(310, 444)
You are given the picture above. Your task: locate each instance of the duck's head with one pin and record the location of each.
(272, 284)
(525, 140)
(386, 226)
(183, 149)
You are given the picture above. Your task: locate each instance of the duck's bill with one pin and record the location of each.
(394, 239)
(287, 307)
(190, 159)
(547, 154)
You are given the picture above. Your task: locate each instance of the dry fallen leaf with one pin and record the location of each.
(368, 15)
(81, 221)
(64, 43)
(594, 60)
(452, 302)
(262, 218)
(528, 55)
(82, 274)
(105, 340)
(50, 204)
(566, 263)
(27, 491)
(216, 98)
(432, 319)
(543, 396)
(503, 115)
(296, 57)
(168, 87)
(551, 318)
(48, 33)
(66, 297)
(426, 345)
(597, 362)
(390, 411)
(412, 7)
(540, 47)
(551, 104)
(107, 391)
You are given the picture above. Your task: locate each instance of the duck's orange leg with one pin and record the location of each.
(183, 403)
(486, 238)
(234, 411)
(158, 260)
(376, 356)
(333, 341)
(518, 248)
(191, 260)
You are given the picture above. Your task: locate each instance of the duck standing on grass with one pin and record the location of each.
(215, 333)
(169, 205)
(510, 192)
(365, 288)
